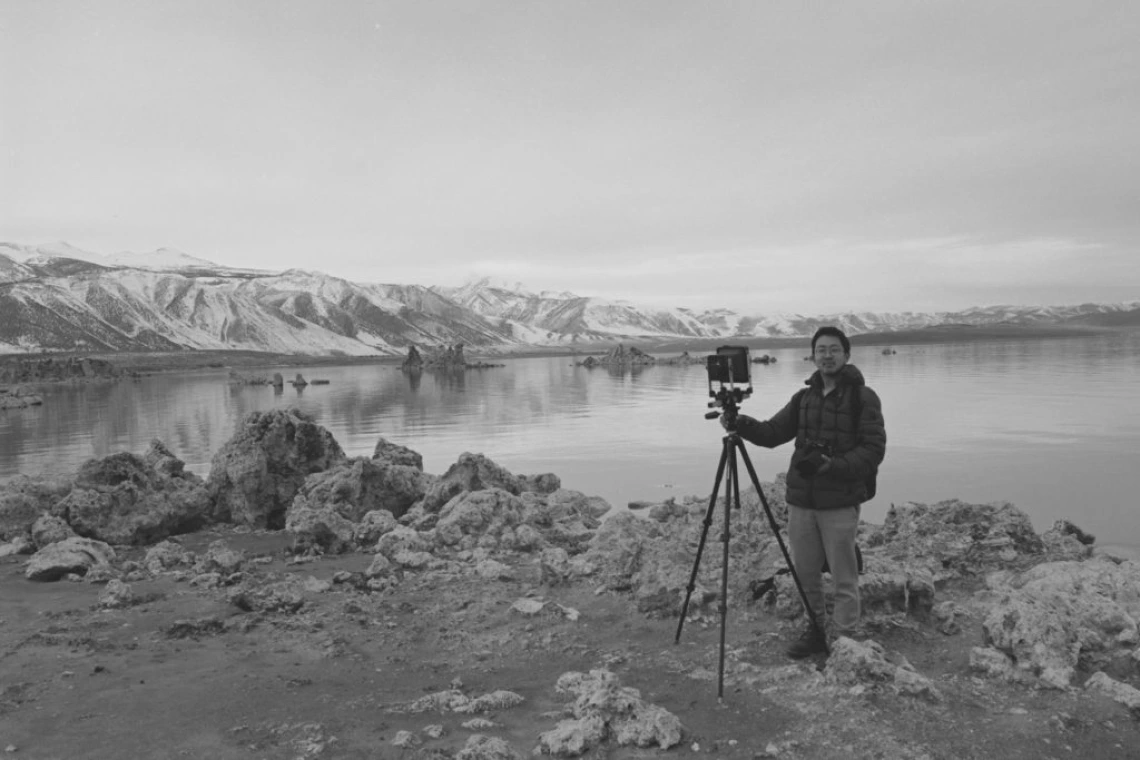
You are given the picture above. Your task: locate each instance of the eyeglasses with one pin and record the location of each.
(828, 350)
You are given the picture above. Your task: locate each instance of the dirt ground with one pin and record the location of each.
(186, 674)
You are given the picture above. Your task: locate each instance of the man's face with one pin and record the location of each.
(829, 356)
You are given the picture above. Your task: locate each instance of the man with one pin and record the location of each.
(828, 483)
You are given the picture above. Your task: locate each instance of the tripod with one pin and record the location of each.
(728, 399)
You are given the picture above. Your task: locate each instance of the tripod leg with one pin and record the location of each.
(704, 535)
(731, 500)
(780, 539)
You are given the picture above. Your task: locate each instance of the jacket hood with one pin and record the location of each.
(849, 375)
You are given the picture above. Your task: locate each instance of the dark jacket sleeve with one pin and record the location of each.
(780, 429)
(871, 445)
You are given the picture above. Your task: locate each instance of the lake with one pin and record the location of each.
(1052, 425)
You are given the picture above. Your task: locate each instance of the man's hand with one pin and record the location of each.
(825, 464)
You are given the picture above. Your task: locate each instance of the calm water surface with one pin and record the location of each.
(1051, 425)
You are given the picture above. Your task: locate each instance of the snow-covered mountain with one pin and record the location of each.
(163, 258)
(59, 297)
(585, 319)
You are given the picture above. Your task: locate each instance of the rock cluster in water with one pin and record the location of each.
(441, 358)
(19, 397)
(620, 356)
(1053, 613)
(51, 369)
(18, 377)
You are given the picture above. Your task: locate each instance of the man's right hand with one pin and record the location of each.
(724, 423)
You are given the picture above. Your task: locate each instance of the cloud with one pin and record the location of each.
(777, 155)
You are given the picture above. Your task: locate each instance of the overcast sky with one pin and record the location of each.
(765, 156)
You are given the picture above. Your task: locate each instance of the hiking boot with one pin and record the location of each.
(810, 642)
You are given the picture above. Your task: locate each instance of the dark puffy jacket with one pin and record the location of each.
(859, 446)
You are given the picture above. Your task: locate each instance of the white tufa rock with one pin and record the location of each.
(1121, 692)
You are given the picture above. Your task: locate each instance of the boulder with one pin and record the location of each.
(472, 472)
(319, 529)
(486, 518)
(954, 539)
(286, 596)
(374, 525)
(565, 503)
(867, 664)
(165, 463)
(18, 545)
(49, 529)
(23, 499)
(354, 487)
(123, 499)
(483, 747)
(1129, 696)
(400, 540)
(1066, 541)
(889, 587)
(543, 483)
(256, 475)
(167, 556)
(394, 453)
(604, 709)
(565, 517)
(380, 567)
(220, 558)
(72, 555)
(117, 595)
(654, 558)
(1059, 616)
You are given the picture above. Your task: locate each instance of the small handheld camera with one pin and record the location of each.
(813, 455)
(730, 381)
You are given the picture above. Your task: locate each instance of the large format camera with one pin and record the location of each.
(729, 366)
(812, 460)
(730, 381)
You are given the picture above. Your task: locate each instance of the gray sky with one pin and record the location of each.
(764, 156)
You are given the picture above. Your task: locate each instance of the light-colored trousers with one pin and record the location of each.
(818, 534)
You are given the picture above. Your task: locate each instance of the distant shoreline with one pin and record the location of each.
(173, 361)
(925, 336)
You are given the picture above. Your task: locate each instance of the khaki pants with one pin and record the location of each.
(818, 534)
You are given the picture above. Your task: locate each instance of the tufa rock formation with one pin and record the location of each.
(255, 476)
(19, 397)
(56, 370)
(620, 357)
(414, 361)
(128, 499)
(444, 359)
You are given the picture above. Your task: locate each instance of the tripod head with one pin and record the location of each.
(730, 382)
(727, 400)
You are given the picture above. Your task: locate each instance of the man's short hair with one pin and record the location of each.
(834, 332)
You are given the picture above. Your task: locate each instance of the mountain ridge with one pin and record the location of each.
(59, 297)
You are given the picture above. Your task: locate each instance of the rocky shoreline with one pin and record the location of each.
(298, 602)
